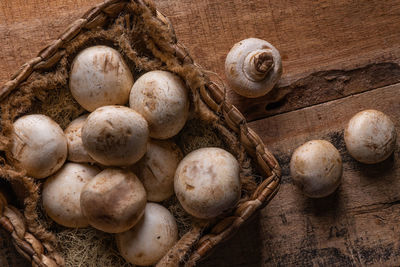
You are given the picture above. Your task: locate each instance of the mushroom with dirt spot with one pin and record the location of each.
(99, 77)
(207, 182)
(62, 191)
(316, 168)
(161, 98)
(39, 145)
(157, 168)
(113, 201)
(370, 136)
(147, 242)
(253, 67)
(115, 135)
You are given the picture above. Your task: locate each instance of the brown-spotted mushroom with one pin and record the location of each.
(316, 168)
(157, 168)
(113, 201)
(207, 182)
(115, 135)
(370, 136)
(73, 132)
(62, 191)
(253, 67)
(39, 145)
(147, 242)
(161, 98)
(99, 77)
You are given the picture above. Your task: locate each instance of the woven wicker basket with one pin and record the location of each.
(211, 106)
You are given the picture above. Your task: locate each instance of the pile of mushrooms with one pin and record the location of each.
(109, 166)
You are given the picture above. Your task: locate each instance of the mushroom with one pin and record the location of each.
(370, 136)
(316, 168)
(113, 201)
(253, 67)
(99, 77)
(62, 191)
(76, 151)
(115, 135)
(207, 182)
(147, 242)
(162, 99)
(39, 145)
(157, 168)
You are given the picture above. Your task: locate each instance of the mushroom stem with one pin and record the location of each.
(258, 64)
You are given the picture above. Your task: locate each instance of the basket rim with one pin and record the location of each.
(211, 94)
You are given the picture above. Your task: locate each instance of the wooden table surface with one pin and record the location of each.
(339, 57)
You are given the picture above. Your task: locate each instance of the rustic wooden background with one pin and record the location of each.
(339, 57)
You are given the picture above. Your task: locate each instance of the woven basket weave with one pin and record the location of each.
(199, 241)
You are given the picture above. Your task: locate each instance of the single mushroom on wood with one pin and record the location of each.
(253, 67)
(316, 168)
(370, 136)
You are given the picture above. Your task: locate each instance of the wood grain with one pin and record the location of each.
(339, 57)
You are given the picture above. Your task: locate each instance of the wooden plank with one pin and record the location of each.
(311, 36)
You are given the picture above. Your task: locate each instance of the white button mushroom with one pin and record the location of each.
(157, 168)
(370, 136)
(99, 77)
(162, 98)
(115, 135)
(113, 201)
(207, 182)
(147, 242)
(76, 151)
(253, 67)
(39, 145)
(62, 191)
(316, 167)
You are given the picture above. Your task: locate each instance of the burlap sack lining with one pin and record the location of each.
(145, 46)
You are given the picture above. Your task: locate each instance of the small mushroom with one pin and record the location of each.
(76, 151)
(162, 99)
(253, 67)
(62, 191)
(157, 168)
(370, 136)
(39, 145)
(113, 201)
(100, 77)
(207, 182)
(316, 168)
(147, 242)
(115, 135)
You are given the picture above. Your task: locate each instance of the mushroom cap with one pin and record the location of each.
(370, 136)
(162, 99)
(157, 168)
(115, 135)
(207, 182)
(316, 167)
(62, 191)
(39, 145)
(147, 242)
(73, 133)
(99, 77)
(113, 201)
(237, 64)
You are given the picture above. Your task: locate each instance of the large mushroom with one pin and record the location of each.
(99, 77)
